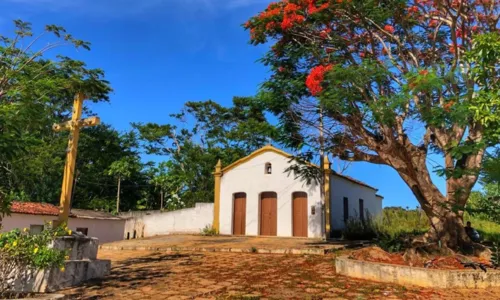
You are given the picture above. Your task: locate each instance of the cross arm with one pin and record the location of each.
(89, 122)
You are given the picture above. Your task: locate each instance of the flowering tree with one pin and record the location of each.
(394, 81)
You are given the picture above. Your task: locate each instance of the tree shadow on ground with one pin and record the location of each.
(132, 274)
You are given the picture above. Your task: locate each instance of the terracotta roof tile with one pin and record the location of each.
(46, 209)
(33, 208)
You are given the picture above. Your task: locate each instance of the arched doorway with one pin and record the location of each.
(268, 213)
(299, 214)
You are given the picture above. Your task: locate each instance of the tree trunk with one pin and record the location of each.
(447, 229)
(445, 212)
(161, 199)
(118, 195)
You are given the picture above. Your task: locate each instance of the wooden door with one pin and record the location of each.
(299, 214)
(268, 214)
(239, 213)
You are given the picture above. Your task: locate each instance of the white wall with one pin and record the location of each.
(250, 178)
(340, 188)
(105, 230)
(152, 223)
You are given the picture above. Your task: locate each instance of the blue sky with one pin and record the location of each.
(158, 54)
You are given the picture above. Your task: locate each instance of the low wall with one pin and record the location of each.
(405, 275)
(152, 223)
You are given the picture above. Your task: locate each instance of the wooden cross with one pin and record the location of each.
(73, 126)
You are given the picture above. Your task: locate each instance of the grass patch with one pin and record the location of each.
(489, 231)
(395, 228)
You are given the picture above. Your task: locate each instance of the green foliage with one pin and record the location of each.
(395, 221)
(37, 88)
(495, 255)
(357, 229)
(489, 230)
(125, 167)
(24, 253)
(485, 205)
(217, 133)
(392, 81)
(396, 227)
(209, 231)
(491, 169)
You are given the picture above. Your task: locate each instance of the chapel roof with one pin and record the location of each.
(270, 148)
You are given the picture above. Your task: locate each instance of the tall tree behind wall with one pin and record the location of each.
(217, 132)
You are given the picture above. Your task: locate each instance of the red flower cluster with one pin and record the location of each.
(311, 6)
(315, 79)
(389, 28)
(290, 17)
(289, 20)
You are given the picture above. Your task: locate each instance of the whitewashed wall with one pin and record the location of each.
(340, 188)
(105, 230)
(250, 178)
(152, 223)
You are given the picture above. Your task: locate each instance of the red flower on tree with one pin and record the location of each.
(389, 28)
(289, 20)
(315, 79)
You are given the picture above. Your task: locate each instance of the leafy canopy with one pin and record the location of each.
(393, 81)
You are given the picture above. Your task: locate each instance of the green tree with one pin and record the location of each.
(491, 169)
(123, 169)
(218, 132)
(162, 181)
(35, 92)
(395, 81)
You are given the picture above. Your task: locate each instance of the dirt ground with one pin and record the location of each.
(150, 275)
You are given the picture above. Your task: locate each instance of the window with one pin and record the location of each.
(362, 209)
(269, 168)
(346, 209)
(36, 229)
(84, 231)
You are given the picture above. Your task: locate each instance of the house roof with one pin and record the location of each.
(270, 148)
(47, 209)
(92, 214)
(32, 208)
(353, 180)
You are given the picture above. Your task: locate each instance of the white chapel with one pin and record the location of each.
(255, 196)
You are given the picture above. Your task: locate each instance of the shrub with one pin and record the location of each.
(357, 229)
(209, 230)
(395, 228)
(22, 253)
